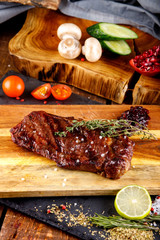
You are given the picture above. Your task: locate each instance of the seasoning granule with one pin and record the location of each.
(130, 234)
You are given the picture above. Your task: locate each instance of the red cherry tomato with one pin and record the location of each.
(42, 92)
(13, 86)
(61, 92)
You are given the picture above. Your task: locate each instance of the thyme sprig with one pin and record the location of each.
(110, 128)
(118, 221)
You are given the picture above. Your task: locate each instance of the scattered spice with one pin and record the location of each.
(45, 102)
(73, 215)
(78, 218)
(155, 210)
(128, 233)
(63, 206)
(48, 211)
(17, 98)
(58, 103)
(82, 59)
(22, 100)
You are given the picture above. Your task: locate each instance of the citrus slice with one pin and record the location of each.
(133, 202)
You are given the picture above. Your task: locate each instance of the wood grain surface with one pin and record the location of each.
(34, 53)
(25, 174)
(51, 4)
(8, 30)
(147, 91)
(28, 227)
(19, 226)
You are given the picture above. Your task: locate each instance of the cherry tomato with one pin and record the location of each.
(13, 86)
(42, 92)
(61, 92)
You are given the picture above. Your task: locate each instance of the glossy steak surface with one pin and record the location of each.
(81, 149)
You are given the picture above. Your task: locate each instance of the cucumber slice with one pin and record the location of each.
(110, 31)
(120, 47)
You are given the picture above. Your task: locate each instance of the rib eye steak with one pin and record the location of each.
(81, 149)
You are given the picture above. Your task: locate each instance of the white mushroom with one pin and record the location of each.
(92, 49)
(69, 48)
(68, 30)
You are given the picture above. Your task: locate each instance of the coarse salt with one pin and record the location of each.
(156, 206)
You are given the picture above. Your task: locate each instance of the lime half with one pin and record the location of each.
(133, 202)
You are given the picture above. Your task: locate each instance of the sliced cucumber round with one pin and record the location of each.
(110, 31)
(120, 47)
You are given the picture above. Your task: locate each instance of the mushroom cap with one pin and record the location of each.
(92, 49)
(67, 30)
(69, 48)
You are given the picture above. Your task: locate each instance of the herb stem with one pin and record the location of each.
(118, 221)
(109, 128)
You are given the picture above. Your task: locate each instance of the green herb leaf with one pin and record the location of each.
(110, 128)
(118, 221)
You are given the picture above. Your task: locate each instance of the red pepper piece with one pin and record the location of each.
(48, 211)
(63, 207)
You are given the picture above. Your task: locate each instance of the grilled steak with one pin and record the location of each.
(81, 149)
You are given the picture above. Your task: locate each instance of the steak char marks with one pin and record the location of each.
(81, 149)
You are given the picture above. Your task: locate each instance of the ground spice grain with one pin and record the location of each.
(79, 218)
(129, 234)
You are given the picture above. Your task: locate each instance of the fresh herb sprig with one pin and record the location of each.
(110, 128)
(118, 221)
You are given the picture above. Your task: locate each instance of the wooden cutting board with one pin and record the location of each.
(51, 4)
(26, 174)
(34, 53)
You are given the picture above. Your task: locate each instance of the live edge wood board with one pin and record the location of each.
(51, 4)
(34, 52)
(26, 174)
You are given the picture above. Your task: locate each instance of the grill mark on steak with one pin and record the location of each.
(80, 150)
